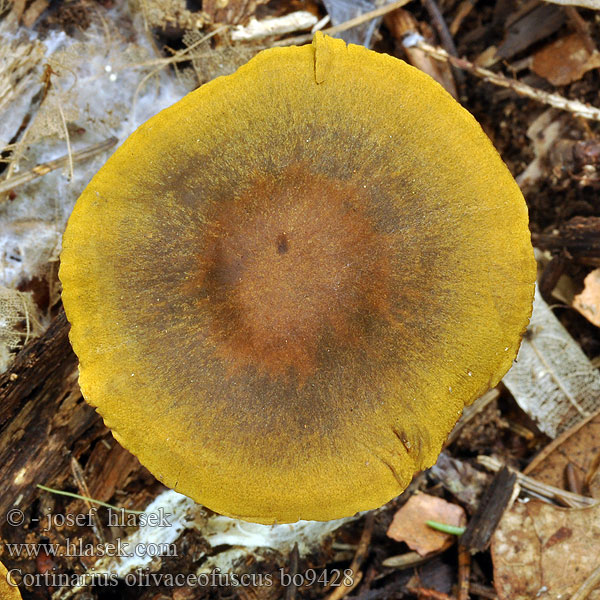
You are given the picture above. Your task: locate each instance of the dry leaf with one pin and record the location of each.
(409, 523)
(579, 446)
(588, 302)
(542, 551)
(565, 60)
(552, 379)
(341, 11)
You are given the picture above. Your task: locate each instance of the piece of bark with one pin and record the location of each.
(108, 469)
(552, 272)
(42, 415)
(579, 237)
(528, 28)
(495, 501)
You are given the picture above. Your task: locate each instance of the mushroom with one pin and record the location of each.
(284, 288)
(8, 589)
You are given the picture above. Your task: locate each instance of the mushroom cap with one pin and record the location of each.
(7, 590)
(284, 288)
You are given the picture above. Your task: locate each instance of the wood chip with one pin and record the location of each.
(495, 501)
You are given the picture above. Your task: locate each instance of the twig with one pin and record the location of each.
(484, 591)
(44, 168)
(521, 430)
(573, 480)
(182, 55)
(427, 593)
(547, 492)
(361, 550)
(79, 478)
(440, 26)
(464, 9)
(445, 36)
(464, 572)
(371, 575)
(368, 16)
(407, 560)
(557, 101)
(87, 499)
(292, 588)
(27, 319)
(588, 585)
(68, 138)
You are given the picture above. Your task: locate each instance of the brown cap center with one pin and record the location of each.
(296, 268)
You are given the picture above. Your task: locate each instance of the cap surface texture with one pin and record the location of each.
(284, 288)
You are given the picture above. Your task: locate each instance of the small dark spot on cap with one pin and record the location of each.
(282, 243)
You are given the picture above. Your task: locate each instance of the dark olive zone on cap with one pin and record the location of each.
(293, 340)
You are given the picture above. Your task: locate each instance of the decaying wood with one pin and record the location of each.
(42, 415)
(495, 501)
